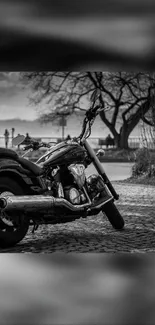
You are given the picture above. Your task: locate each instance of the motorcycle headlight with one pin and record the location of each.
(95, 183)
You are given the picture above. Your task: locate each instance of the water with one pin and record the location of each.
(114, 171)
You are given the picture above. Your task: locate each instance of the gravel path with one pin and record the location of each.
(95, 234)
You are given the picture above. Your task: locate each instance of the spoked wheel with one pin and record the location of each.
(12, 228)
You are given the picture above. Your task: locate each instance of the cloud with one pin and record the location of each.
(10, 84)
(13, 97)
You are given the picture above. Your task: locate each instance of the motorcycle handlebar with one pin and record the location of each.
(90, 115)
(36, 145)
(44, 144)
(29, 146)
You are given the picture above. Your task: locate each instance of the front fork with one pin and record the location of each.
(99, 168)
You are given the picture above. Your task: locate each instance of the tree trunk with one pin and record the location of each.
(121, 141)
(121, 138)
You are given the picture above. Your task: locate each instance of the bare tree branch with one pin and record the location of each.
(125, 97)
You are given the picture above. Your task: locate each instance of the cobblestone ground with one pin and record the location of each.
(95, 234)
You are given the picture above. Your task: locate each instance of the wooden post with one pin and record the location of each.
(13, 131)
(63, 124)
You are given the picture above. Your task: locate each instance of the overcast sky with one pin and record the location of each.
(14, 101)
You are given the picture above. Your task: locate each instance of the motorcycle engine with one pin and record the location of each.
(78, 172)
(72, 195)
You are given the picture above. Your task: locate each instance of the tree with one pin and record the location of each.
(125, 97)
(148, 132)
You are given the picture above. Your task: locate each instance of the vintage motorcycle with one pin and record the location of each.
(55, 189)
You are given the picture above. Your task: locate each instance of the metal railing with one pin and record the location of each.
(134, 142)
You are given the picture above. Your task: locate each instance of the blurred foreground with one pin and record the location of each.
(77, 35)
(77, 289)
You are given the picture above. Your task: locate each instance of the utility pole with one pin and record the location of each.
(63, 122)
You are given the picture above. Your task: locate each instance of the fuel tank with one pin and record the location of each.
(63, 153)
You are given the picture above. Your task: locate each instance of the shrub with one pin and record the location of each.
(125, 154)
(151, 170)
(142, 162)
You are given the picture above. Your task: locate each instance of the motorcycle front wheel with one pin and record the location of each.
(113, 215)
(12, 230)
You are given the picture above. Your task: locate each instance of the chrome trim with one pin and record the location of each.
(86, 194)
(37, 203)
(101, 204)
(78, 172)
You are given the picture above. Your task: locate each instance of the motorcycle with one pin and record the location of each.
(55, 189)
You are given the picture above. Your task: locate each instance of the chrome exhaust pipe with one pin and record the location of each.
(37, 203)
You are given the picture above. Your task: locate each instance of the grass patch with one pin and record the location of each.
(141, 180)
(116, 155)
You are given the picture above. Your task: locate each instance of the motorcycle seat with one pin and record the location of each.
(8, 153)
(27, 164)
(11, 154)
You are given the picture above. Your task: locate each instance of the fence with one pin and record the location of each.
(134, 142)
(45, 139)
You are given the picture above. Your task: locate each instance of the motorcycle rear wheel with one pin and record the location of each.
(11, 231)
(113, 215)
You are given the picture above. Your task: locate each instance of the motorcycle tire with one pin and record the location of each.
(12, 234)
(113, 215)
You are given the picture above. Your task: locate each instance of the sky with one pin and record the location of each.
(14, 102)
